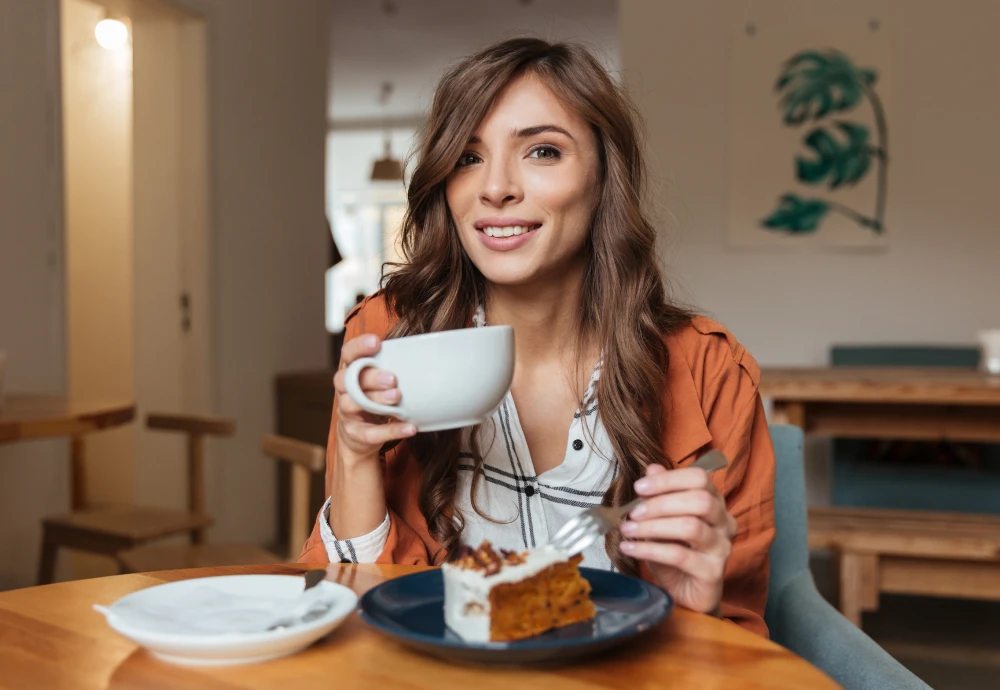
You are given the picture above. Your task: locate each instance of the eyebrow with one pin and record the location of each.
(529, 132)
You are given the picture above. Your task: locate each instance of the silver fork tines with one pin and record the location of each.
(593, 523)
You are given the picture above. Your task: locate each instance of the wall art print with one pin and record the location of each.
(809, 139)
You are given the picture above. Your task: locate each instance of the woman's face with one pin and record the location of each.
(523, 193)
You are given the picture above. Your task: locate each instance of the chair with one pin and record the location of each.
(797, 616)
(305, 459)
(111, 530)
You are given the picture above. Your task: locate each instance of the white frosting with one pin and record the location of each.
(467, 591)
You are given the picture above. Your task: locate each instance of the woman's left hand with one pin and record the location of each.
(684, 534)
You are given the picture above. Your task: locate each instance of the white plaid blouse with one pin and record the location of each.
(526, 507)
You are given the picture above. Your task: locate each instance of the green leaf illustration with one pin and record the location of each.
(795, 215)
(815, 84)
(843, 163)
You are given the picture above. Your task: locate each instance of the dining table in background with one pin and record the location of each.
(28, 417)
(52, 637)
(913, 552)
(893, 403)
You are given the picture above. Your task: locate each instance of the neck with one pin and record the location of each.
(545, 315)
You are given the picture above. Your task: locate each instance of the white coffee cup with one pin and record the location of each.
(446, 380)
(989, 342)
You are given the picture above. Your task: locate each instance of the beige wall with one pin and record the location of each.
(937, 282)
(97, 137)
(267, 85)
(171, 231)
(32, 475)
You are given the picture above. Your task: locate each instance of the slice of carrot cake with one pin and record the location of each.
(506, 596)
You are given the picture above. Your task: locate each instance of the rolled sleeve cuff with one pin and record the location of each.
(364, 549)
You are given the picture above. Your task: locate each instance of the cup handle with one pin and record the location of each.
(352, 380)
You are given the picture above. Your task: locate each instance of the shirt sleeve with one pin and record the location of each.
(727, 378)
(364, 549)
(395, 540)
(749, 493)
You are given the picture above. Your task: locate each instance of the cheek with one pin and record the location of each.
(571, 199)
(459, 194)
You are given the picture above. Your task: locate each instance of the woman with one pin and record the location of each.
(525, 209)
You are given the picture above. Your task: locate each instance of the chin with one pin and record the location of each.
(507, 275)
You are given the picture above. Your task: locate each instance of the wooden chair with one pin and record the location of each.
(912, 552)
(111, 530)
(305, 459)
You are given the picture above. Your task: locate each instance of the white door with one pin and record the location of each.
(172, 294)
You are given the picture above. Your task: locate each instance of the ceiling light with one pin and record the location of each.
(111, 34)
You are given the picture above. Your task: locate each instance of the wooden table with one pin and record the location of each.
(907, 552)
(887, 402)
(51, 637)
(25, 417)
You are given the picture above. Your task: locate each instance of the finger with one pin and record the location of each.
(376, 379)
(362, 346)
(379, 434)
(697, 564)
(699, 503)
(662, 481)
(347, 406)
(732, 527)
(371, 379)
(690, 530)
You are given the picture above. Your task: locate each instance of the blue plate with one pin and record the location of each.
(411, 609)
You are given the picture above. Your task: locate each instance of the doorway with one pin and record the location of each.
(136, 141)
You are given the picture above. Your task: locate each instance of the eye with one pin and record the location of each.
(467, 159)
(545, 152)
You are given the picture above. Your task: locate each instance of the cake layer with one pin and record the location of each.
(510, 596)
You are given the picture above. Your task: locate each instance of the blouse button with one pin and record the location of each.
(529, 491)
(577, 444)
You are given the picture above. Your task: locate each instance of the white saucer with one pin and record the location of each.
(233, 648)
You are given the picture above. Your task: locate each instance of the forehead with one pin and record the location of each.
(528, 102)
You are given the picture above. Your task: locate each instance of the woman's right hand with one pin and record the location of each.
(360, 434)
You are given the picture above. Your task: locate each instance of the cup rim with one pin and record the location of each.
(439, 334)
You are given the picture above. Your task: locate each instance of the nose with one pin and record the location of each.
(501, 185)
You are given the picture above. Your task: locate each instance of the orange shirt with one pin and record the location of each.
(711, 401)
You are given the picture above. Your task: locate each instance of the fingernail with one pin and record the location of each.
(391, 394)
(629, 528)
(628, 546)
(371, 341)
(409, 430)
(386, 379)
(643, 485)
(638, 511)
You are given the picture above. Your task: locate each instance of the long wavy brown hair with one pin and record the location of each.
(623, 304)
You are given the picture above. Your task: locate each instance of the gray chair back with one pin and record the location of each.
(797, 616)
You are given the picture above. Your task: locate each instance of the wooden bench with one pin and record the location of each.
(908, 552)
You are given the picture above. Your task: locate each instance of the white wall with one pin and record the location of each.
(267, 85)
(33, 480)
(938, 281)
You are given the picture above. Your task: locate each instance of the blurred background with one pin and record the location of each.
(194, 193)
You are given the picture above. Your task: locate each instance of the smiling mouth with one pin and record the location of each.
(508, 230)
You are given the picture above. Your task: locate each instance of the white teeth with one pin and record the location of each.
(507, 231)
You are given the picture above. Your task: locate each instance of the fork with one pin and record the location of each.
(593, 523)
